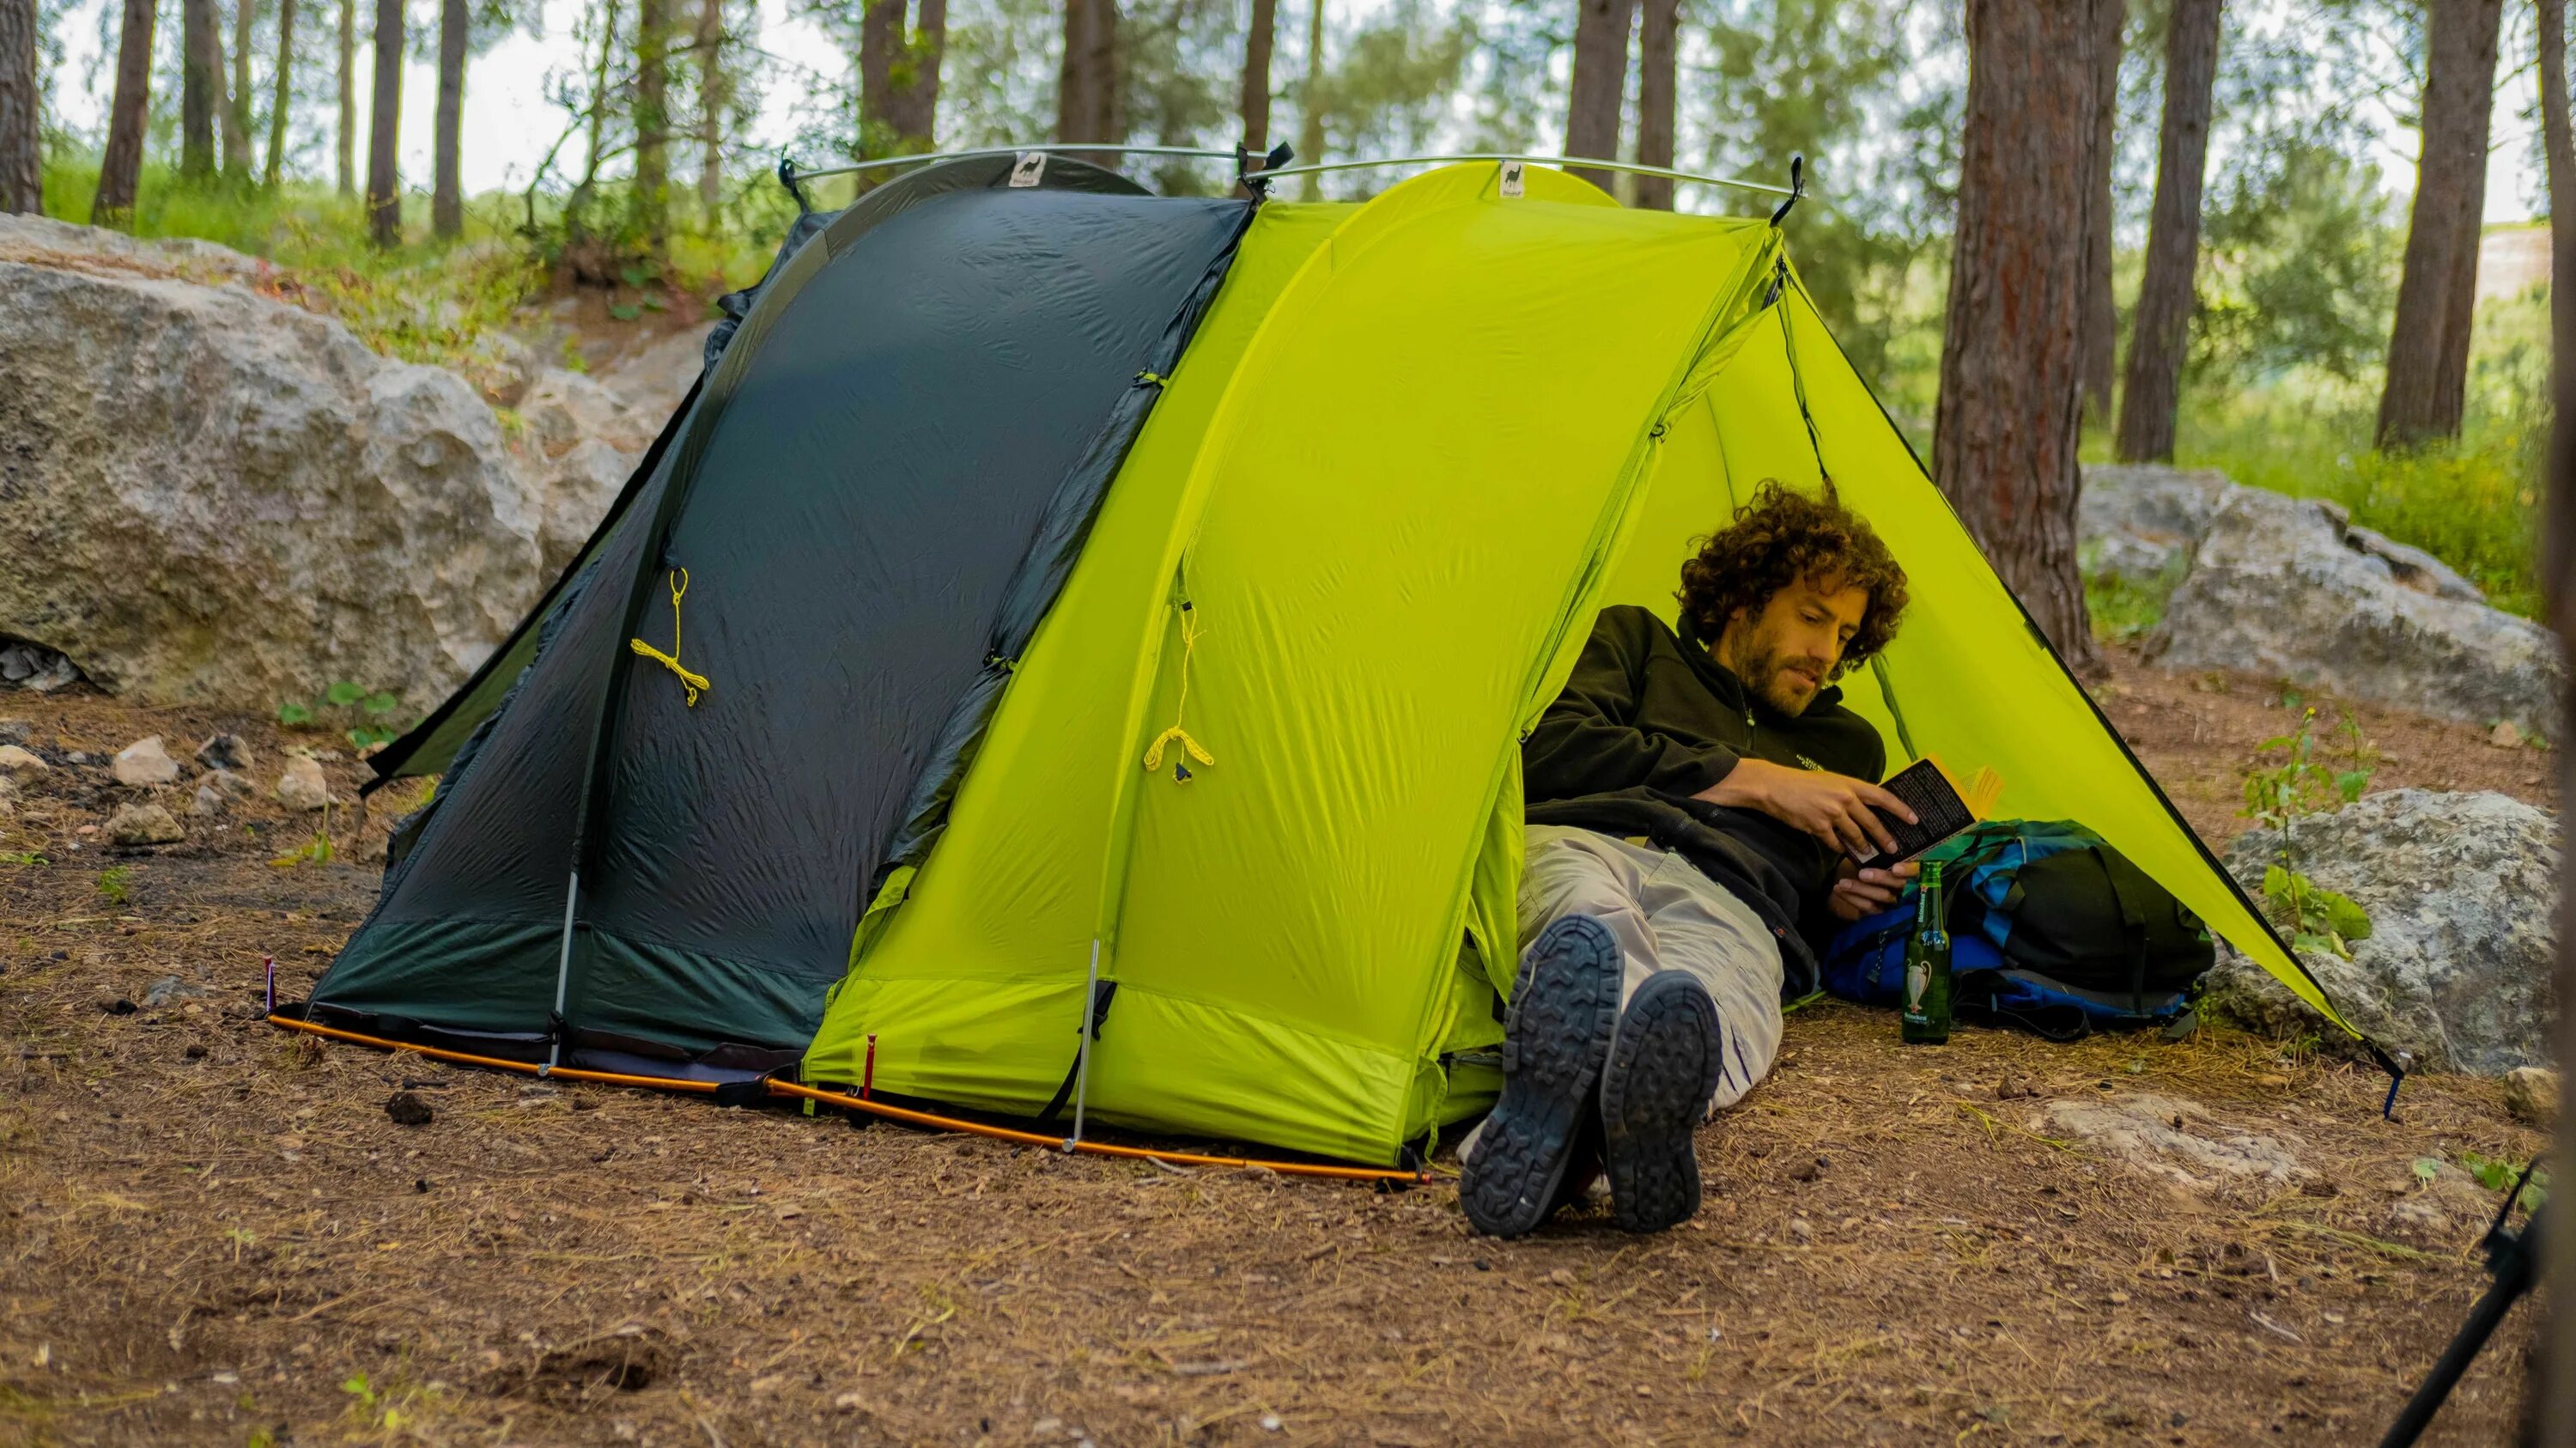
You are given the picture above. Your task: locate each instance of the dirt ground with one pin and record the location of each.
(212, 1232)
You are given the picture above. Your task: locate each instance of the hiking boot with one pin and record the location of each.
(1556, 1036)
(1655, 1091)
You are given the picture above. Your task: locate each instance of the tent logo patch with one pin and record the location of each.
(1029, 168)
(1512, 172)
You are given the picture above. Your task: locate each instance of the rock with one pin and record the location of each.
(2461, 890)
(2440, 1207)
(224, 751)
(220, 787)
(304, 510)
(407, 1109)
(578, 444)
(15, 760)
(655, 380)
(2531, 1094)
(2504, 735)
(44, 242)
(170, 988)
(143, 823)
(15, 731)
(33, 666)
(2410, 565)
(209, 801)
(144, 764)
(2143, 523)
(2281, 586)
(302, 786)
(8, 796)
(2175, 1138)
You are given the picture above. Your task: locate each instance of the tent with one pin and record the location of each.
(1116, 617)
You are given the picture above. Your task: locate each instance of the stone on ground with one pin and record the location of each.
(2461, 890)
(302, 786)
(143, 823)
(312, 512)
(15, 760)
(2531, 1094)
(225, 751)
(2175, 1138)
(2287, 587)
(33, 666)
(144, 764)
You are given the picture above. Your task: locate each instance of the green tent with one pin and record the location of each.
(1235, 781)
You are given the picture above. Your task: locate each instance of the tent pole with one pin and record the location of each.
(1082, 1044)
(563, 972)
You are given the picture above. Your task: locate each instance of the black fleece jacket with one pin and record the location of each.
(1648, 720)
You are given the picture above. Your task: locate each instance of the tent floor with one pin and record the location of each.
(200, 1246)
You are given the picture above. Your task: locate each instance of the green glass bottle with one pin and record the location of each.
(1927, 966)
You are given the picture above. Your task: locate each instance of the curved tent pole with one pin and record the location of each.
(1589, 163)
(1204, 153)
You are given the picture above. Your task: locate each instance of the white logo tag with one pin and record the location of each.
(1512, 178)
(1031, 166)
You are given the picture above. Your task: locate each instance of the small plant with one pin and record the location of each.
(2499, 1175)
(315, 851)
(363, 717)
(2123, 608)
(2277, 795)
(116, 884)
(24, 857)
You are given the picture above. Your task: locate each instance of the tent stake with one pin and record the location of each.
(563, 971)
(1082, 1044)
(868, 1076)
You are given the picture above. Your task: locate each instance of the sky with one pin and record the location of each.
(508, 123)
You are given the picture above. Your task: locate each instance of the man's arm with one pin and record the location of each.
(1584, 745)
(1835, 808)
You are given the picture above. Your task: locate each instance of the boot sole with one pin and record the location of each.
(1662, 1073)
(1558, 1030)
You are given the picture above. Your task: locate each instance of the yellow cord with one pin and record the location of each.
(1154, 754)
(688, 681)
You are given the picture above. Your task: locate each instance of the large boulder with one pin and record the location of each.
(578, 442)
(2461, 890)
(2142, 523)
(2288, 587)
(655, 379)
(217, 498)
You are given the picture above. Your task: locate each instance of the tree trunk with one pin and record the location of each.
(1087, 85)
(916, 76)
(1256, 76)
(2101, 310)
(201, 68)
(282, 93)
(22, 141)
(348, 97)
(446, 193)
(2558, 566)
(2423, 396)
(122, 162)
(715, 98)
(880, 35)
(2012, 363)
(384, 184)
(2160, 332)
(1310, 104)
(237, 108)
(1658, 44)
(1600, 83)
(653, 122)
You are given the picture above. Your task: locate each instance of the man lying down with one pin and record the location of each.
(1695, 803)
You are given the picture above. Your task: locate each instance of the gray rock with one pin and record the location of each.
(235, 501)
(170, 988)
(224, 751)
(654, 380)
(578, 443)
(8, 796)
(143, 823)
(2531, 1095)
(112, 253)
(15, 760)
(33, 666)
(15, 731)
(208, 802)
(2409, 565)
(144, 764)
(302, 785)
(2141, 522)
(218, 790)
(2174, 1138)
(2279, 587)
(2461, 890)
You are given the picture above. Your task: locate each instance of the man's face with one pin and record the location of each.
(1787, 651)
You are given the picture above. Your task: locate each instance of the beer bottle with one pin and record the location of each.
(1927, 966)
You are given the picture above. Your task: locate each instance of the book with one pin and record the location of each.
(1942, 808)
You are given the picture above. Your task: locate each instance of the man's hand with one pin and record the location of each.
(1859, 892)
(1835, 808)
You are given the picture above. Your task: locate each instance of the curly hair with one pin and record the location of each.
(1780, 538)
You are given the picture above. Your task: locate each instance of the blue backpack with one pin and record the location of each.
(2051, 930)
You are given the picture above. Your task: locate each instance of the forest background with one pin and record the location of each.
(527, 145)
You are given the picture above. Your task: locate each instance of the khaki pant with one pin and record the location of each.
(1666, 915)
